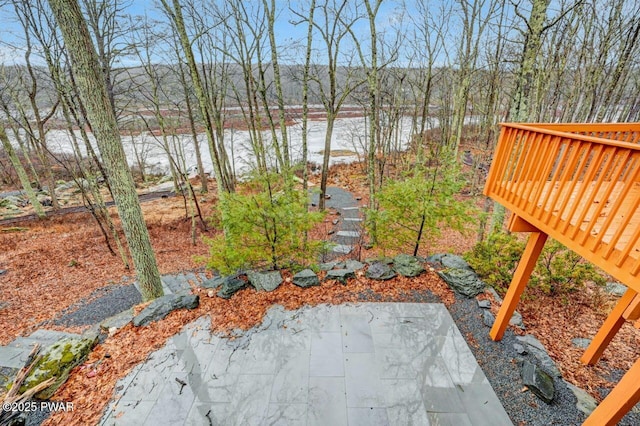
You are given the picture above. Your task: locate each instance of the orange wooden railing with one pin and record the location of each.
(580, 184)
(577, 187)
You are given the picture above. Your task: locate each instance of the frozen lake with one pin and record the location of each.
(350, 134)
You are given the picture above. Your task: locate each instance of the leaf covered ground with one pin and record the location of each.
(54, 264)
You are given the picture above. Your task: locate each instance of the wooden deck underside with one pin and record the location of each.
(575, 214)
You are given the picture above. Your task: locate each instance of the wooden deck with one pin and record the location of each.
(580, 184)
(580, 190)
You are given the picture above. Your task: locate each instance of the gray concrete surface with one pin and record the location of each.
(354, 364)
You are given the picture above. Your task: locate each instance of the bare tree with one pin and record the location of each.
(217, 149)
(22, 174)
(93, 90)
(305, 93)
(476, 16)
(334, 82)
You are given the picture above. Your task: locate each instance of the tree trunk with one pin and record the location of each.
(224, 181)
(305, 97)
(22, 174)
(93, 92)
(325, 160)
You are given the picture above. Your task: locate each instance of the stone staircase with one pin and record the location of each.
(348, 222)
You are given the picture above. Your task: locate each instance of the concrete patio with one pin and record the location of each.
(354, 364)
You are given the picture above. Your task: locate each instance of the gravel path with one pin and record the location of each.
(102, 304)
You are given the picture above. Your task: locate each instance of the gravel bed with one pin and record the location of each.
(103, 303)
(500, 363)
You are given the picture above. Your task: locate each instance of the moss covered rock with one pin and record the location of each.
(407, 266)
(57, 361)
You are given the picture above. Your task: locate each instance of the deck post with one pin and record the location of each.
(609, 329)
(622, 398)
(518, 283)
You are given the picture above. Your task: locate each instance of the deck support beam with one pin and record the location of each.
(518, 283)
(609, 329)
(622, 398)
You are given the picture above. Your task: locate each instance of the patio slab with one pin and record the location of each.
(352, 364)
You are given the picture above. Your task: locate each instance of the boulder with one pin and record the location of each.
(354, 265)
(580, 342)
(484, 304)
(57, 361)
(516, 320)
(267, 281)
(12, 202)
(162, 306)
(117, 321)
(230, 286)
(492, 291)
(214, 282)
(83, 184)
(487, 318)
(538, 350)
(407, 266)
(382, 259)
(448, 260)
(3, 271)
(340, 275)
(306, 278)
(327, 266)
(380, 271)
(467, 158)
(178, 283)
(520, 350)
(615, 289)
(45, 200)
(463, 281)
(538, 382)
(63, 186)
(585, 402)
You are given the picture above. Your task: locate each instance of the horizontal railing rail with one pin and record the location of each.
(578, 183)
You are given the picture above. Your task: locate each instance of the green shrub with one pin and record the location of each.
(558, 271)
(418, 205)
(264, 228)
(495, 259)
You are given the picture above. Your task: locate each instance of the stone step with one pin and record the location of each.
(42, 336)
(351, 234)
(13, 357)
(342, 249)
(352, 219)
(168, 284)
(15, 354)
(165, 288)
(351, 208)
